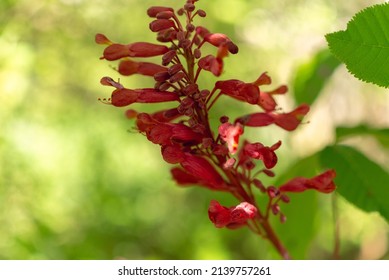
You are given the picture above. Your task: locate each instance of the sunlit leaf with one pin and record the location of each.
(359, 180)
(381, 135)
(364, 45)
(312, 76)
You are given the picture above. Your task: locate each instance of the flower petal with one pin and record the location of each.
(322, 183)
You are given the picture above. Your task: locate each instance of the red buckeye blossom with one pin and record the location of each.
(259, 151)
(200, 168)
(290, 121)
(322, 183)
(130, 67)
(166, 133)
(139, 49)
(232, 217)
(212, 64)
(125, 97)
(240, 90)
(231, 133)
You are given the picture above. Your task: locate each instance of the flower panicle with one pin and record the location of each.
(219, 159)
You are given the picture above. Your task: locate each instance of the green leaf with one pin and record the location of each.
(299, 230)
(313, 75)
(364, 46)
(381, 135)
(359, 180)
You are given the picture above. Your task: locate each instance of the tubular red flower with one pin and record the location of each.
(116, 51)
(259, 151)
(167, 133)
(200, 168)
(322, 183)
(231, 133)
(182, 177)
(232, 217)
(124, 97)
(290, 121)
(172, 154)
(144, 49)
(212, 64)
(221, 40)
(130, 67)
(138, 49)
(239, 90)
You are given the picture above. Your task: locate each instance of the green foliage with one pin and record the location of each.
(364, 45)
(312, 76)
(380, 134)
(360, 180)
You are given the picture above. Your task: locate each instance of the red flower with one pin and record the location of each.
(232, 217)
(212, 64)
(166, 133)
(259, 151)
(237, 89)
(201, 169)
(124, 97)
(195, 170)
(138, 49)
(231, 133)
(290, 121)
(129, 67)
(322, 183)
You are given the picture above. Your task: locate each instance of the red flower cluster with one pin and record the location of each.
(213, 159)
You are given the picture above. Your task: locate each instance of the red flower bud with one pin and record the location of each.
(161, 24)
(168, 57)
(165, 15)
(155, 10)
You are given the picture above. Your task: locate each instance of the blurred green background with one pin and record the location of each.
(78, 182)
